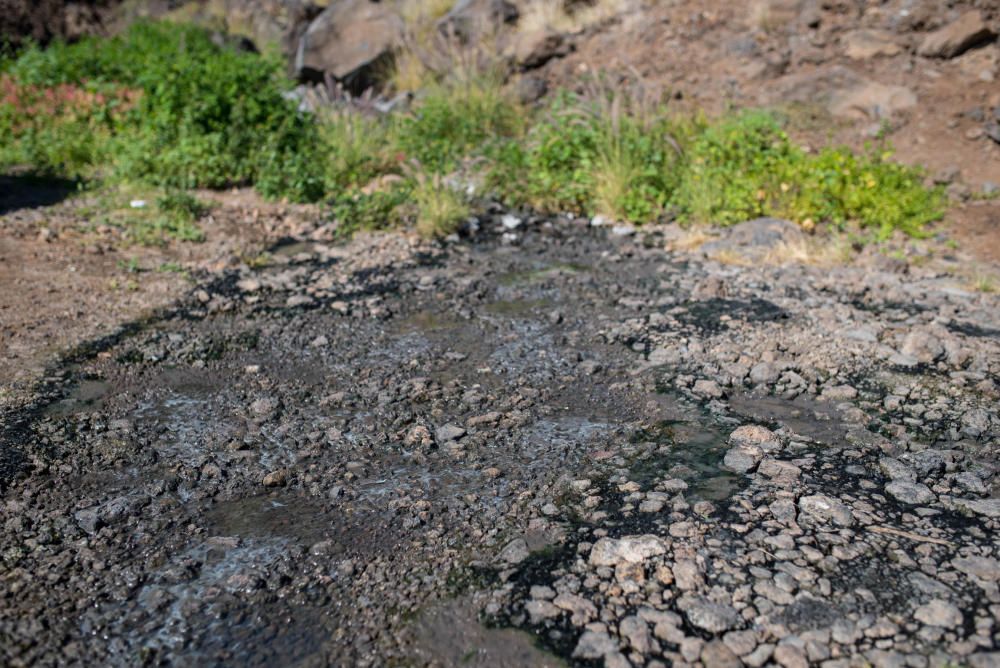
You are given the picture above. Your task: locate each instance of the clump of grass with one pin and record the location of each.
(439, 208)
(360, 149)
(459, 115)
(554, 14)
(606, 153)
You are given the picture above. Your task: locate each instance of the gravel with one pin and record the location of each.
(390, 451)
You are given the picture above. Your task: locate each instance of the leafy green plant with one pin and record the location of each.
(356, 210)
(746, 166)
(198, 115)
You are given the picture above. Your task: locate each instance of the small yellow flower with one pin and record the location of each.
(761, 195)
(785, 187)
(808, 225)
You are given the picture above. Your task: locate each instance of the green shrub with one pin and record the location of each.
(382, 209)
(206, 116)
(746, 166)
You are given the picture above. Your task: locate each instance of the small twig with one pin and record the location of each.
(912, 536)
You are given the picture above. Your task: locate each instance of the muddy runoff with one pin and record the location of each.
(529, 449)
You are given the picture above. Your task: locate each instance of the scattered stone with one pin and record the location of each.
(864, 44)
(594, 645)
(984, 568)
(278, 478)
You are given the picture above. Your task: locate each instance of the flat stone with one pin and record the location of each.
(984, 568)
(790, 656)
(514, 552)
(636, 631)
(632, 549)
(711, 617)
(939, 613)
(448, 432)
(780, 472)
(718, 655)
(826, 509)
(708, 389)
(864, 44)
(896, 470)
(987, 507)
(594, 645)
(755, 435)
(743, 458)
(912, 493)
(741, 642)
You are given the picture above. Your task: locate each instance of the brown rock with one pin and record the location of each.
(967, 31)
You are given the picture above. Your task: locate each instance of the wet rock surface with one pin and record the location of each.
(544, 447)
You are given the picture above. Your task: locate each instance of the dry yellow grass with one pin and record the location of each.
(552, 15)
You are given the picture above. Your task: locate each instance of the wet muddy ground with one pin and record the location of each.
(554, 447)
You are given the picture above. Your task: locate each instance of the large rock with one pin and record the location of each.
(349, 41)
(531, 49)
(471, 18)
(922, 345)
(967, 31)
(748, 444)
(267, 23)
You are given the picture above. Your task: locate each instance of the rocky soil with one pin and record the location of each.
(543, 443)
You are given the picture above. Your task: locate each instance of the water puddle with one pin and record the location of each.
(426, 321)
(86, 396)
(451, 635)
(803, 416)
(689, 451)
(538, 274)
(184, 425)
(190, 607)
(517, 308)
(712, 315)
(429, 480)
(270, 517)
(292, 248)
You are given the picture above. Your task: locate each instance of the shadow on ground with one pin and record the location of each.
(25, 192)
